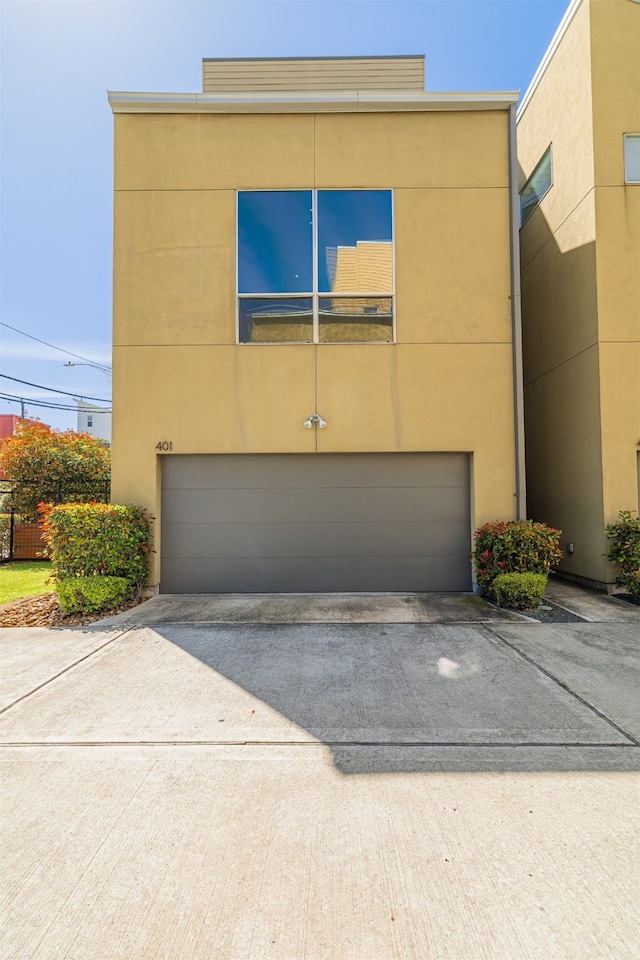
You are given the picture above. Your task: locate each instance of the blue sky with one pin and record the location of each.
(60, 58)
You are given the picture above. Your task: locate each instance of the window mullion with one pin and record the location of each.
(316, 310)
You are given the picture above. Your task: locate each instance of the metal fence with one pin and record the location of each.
(20, 540)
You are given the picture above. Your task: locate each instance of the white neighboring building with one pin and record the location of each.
(94, 420)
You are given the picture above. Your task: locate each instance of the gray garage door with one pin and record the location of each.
(315, 523)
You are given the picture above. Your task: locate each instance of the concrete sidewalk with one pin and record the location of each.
(318, 791)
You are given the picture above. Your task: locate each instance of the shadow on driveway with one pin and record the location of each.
(387, 697)
(368, 690)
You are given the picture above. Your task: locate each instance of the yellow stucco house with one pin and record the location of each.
(316, 325)
(579, 152)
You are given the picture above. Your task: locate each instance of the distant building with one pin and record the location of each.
(94, 420)
(8, 423)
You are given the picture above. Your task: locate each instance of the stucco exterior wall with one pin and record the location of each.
(179, 377)
(560, 113)
(615, 42)
(580, 258)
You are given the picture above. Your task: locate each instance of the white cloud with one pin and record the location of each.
(94, 352)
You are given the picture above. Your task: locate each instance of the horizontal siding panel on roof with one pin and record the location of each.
(404, 73)
(409, 67)
(237, 86)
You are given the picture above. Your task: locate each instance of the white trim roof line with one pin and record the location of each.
(307, 102)
(348, 59)
(546, 60)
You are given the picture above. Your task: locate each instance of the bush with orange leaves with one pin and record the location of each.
(46, 465)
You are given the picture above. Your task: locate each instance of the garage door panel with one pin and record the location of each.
(329, 575)
(311, 523)
(252, 505)
(306, 540)
(239, 472)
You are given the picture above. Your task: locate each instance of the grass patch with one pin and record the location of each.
(24, 578)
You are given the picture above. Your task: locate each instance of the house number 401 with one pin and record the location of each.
(164, 445)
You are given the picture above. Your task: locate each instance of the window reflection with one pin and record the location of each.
(275, 242)
(538, 184)
(355, 252)
(365, 267)
(347, 292)
(353, 319)
(632, 158)
(276, 320)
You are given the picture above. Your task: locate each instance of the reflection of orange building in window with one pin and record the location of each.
(365, 268)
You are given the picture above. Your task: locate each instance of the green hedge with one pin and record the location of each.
(93, 594)
(624, 539)
(519, 591)
(514, 546)
(98, 539)
(5, 534)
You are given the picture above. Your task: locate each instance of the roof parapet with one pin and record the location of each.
(347, 101)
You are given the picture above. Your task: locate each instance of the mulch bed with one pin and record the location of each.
(549, 612)
(627, 599)
(44, 611)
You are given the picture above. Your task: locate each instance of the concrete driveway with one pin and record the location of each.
(455, 784)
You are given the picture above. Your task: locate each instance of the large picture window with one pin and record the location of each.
(315, 266)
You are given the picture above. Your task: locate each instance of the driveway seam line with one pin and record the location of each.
(154, 624)
(521, 744)
(566, 688)
(61, 672)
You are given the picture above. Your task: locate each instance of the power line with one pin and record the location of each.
(13, 398)
(51, 389)
(46, 406)
(53, 347)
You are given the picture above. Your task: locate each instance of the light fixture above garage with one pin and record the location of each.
(315, 418)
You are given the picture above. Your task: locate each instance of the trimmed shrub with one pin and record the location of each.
(514, 546)
(519, 591)
(98, 539)
(93, 594)
(631, 583)
(624, 539)
(5, 535)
